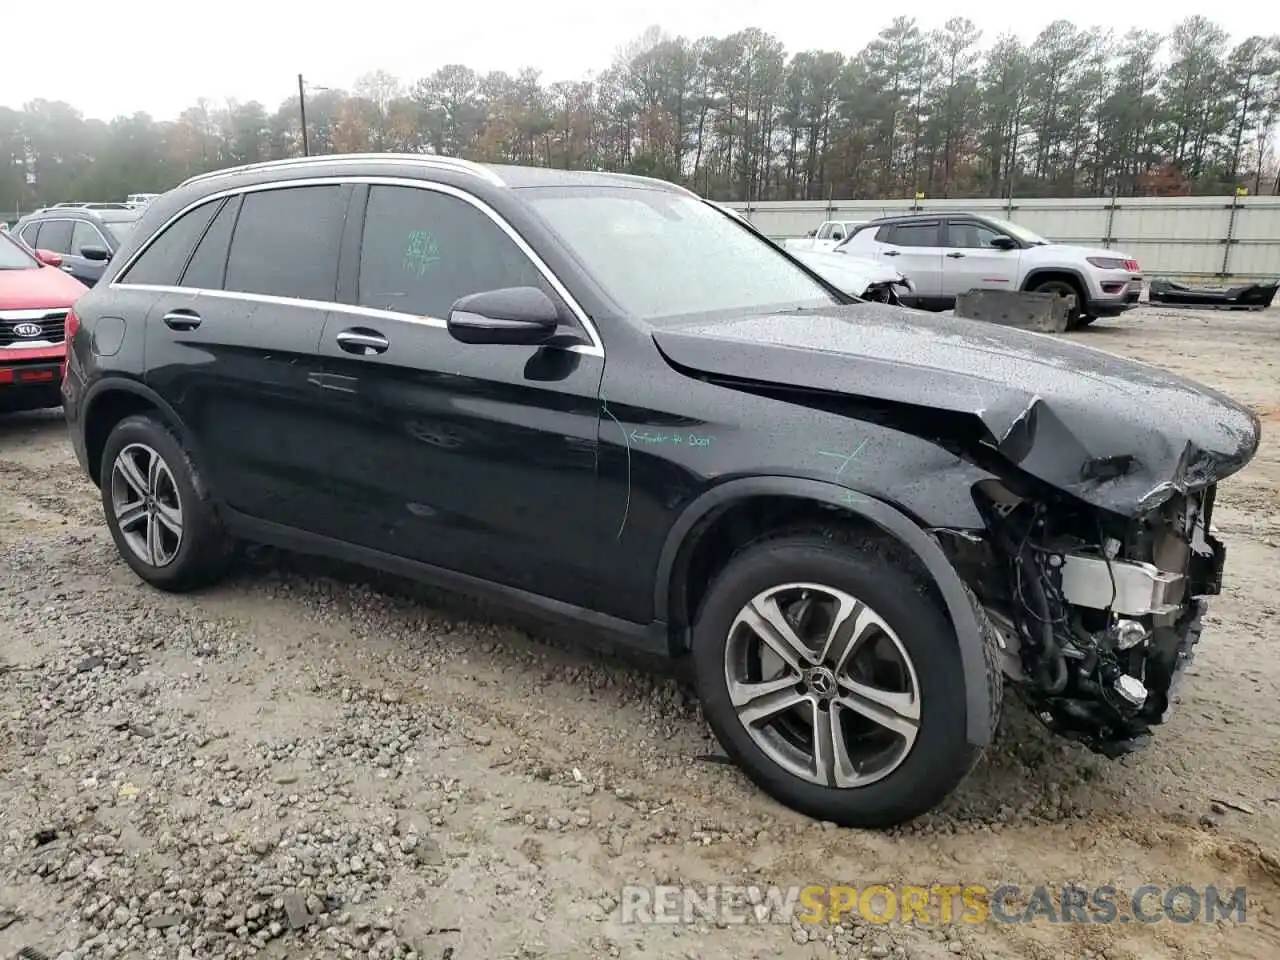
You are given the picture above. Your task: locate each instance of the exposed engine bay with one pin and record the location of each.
(1098, 614)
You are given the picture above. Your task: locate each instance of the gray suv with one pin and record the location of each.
(85, 239)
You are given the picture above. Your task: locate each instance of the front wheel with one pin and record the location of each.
(833, 678)
(1064, 289)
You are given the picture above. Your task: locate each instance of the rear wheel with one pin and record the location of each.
(158, 508)
(833, 679)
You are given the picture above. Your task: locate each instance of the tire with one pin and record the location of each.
(869, 571)
(1067, 289)
(1084, 322)
(198, 553)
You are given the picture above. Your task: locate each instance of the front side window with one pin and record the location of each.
(971, 236)
(423, 249)
(286, 243)
(662, 255)
(85, 234)
(162, 261)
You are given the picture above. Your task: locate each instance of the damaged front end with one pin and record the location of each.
(1099, 614)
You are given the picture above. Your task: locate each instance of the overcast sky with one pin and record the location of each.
(159, 56)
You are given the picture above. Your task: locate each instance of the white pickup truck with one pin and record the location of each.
(825, 237)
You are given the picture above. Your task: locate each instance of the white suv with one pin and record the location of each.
(944, 255)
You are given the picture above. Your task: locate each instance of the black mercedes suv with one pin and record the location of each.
(605, 399)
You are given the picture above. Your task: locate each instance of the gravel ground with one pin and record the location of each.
(312, 762)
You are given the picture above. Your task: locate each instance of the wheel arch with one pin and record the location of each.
(701, 516)
(110, 400)
(1070, 274)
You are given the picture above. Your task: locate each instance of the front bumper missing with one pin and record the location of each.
(1125, 587)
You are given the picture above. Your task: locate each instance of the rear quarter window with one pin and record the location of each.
(162, 261)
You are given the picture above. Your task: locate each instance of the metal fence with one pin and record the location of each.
(1176, 237)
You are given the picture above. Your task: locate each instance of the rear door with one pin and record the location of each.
(476, 458)
(915, 250)
(233, 347)
(970, 262)
(55, 236)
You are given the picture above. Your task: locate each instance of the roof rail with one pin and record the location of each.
(426, 159)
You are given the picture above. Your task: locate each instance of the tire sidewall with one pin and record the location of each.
(142, 429)
(941, 755)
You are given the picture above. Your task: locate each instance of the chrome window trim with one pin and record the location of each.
(595, 349)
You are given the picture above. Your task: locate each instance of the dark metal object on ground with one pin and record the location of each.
(1246, 296)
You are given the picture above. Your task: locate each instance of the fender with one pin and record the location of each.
(969, 632)
(1039, 271)
(118, 384)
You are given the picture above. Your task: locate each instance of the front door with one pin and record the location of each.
(971, 262)
(233, 347)
(476, 458)
(85, 234)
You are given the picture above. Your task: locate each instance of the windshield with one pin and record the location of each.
(119, 229)
(1022, 233)
(663, 255)
(13, 256)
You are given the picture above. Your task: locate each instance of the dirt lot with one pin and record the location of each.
(179, 775)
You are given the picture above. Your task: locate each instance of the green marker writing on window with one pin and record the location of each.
(420, 251)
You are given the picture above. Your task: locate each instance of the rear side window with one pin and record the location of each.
(55, 235)
(422, 250)
(29, 233)
(209, 262)
(915, 234)
(286, 243)
(162, 262)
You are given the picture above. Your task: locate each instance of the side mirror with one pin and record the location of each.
(521, 316)
(812, 233)
(1004, 243)
(95, 253)
(49, 258)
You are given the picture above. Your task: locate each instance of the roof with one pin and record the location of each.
(493, 174)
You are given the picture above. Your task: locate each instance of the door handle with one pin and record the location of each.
(362, 341)
(892, 253)
(67, 267)
(955, 254)
(182, 319)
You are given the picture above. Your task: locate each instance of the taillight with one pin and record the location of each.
(70, 326)
(1132, 266)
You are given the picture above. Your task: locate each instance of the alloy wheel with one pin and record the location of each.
(823, 685)
(146, 504)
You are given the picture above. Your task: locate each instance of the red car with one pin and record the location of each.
(35, 300)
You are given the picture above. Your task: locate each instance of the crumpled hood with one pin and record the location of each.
(849, 273)
(1119, 434)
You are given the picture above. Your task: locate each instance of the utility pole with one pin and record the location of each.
(302, 110)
